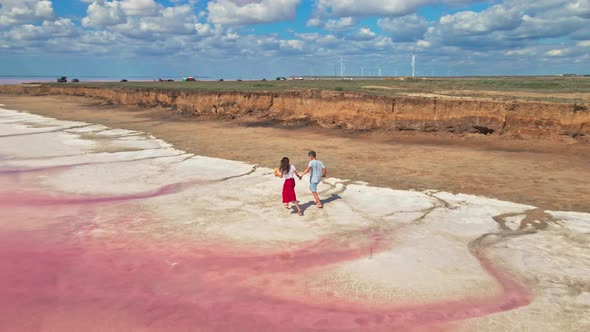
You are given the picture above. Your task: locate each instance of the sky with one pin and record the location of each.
(268, 38)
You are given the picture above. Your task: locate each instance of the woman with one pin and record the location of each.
(288, 171)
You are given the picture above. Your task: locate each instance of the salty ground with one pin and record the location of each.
(549, 173)
(106, 229)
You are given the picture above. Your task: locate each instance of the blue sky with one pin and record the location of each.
(267, 38)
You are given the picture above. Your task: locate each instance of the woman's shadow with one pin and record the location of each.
(324, 202)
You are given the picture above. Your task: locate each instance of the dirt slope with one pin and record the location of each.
(353, 111)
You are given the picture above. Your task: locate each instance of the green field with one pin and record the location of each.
(529, 88)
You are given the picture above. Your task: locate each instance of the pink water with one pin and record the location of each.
(60, 271)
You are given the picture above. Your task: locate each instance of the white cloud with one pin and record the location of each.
(510, 25)
(292, 44)
(101, 13)
(521, 52)
(137, 19)
(555, 52)
(203, 29)
(251, 11)
(423, 44)
(139, 7)
(370, 7)
(365, 34)
(495, 18)
(231, 36)
(383, 43)
(14, 12)
(328, 41)
(406, 28)
(314, 22)
(543, 31)
(547, 27)
(580, 8)
(179, 20)
(104, 14)
(316, 38)
(101, 38)
(342, 23)
(333, 24)
(62, 27)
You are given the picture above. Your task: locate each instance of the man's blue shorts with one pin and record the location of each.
(313, 186)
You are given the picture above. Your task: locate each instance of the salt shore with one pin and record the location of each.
(110, 229)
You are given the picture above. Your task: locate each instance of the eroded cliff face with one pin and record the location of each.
(353, 111)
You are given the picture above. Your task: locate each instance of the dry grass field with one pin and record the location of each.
(550, 88)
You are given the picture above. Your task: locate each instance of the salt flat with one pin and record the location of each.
(110, 229)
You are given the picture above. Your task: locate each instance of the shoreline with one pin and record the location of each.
(546, 173)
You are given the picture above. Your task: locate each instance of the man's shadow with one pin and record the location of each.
(312, 203)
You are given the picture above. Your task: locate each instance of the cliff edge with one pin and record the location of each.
(351, 111)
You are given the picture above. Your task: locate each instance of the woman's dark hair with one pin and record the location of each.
(285, 166)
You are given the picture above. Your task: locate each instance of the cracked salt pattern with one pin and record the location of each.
(106, 217)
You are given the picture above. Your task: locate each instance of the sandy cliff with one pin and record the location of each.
(352, 111)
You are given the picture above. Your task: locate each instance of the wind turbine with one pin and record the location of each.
(414, 63)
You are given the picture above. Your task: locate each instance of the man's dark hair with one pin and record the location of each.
(312, 154)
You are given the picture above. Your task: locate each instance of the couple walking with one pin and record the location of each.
(287, 171)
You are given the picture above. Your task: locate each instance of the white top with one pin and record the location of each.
(291, 173)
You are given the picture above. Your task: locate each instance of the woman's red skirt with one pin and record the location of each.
(289, 191)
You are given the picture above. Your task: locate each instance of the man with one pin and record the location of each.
(318, 171)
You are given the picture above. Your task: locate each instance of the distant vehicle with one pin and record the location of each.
(239, 80)
(280, 78)
(264, 79)
(189, 79)
(297, 78)
(62, 79)
(75, 80)
(221, 80)
(124, 81)
(165, 80)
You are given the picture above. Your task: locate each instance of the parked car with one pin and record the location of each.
(62, 79)
(221, 80)
(75, 80)
(123, 81)
(280, 78)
